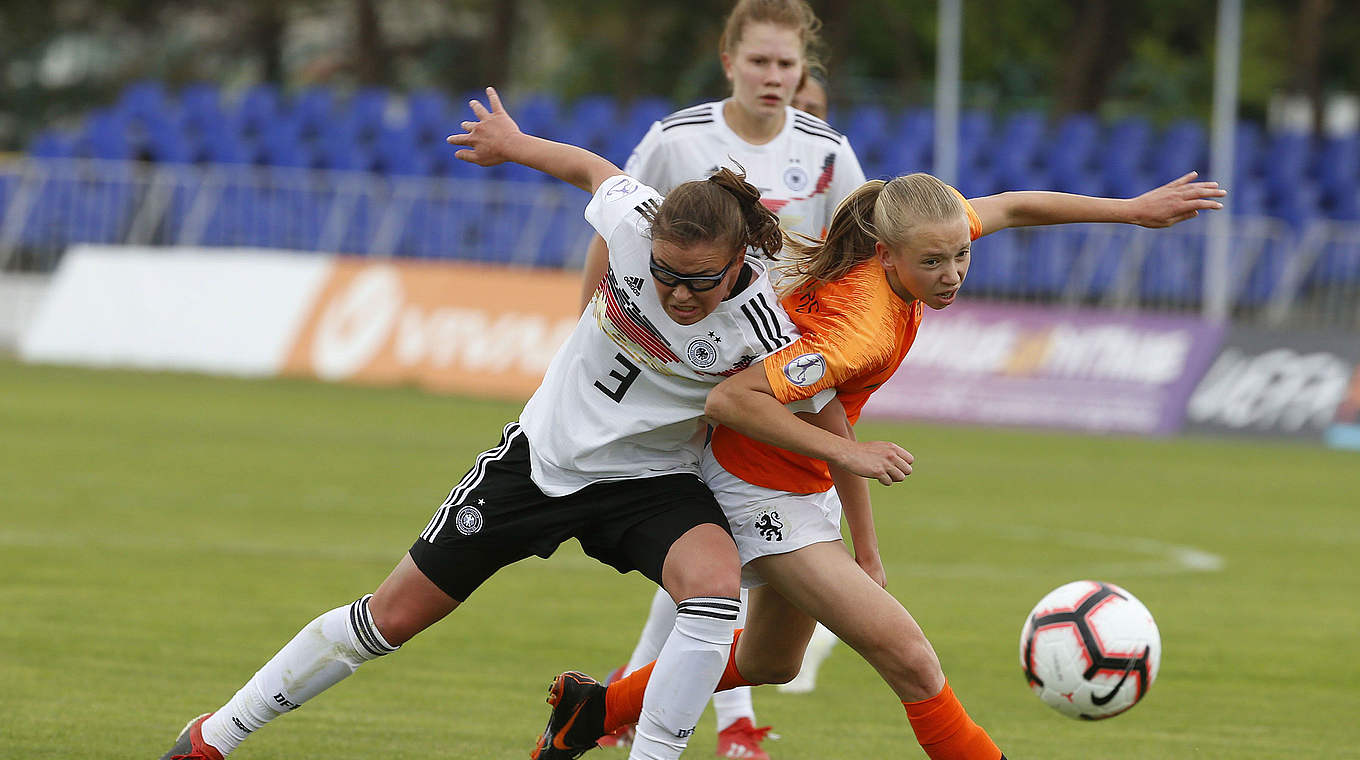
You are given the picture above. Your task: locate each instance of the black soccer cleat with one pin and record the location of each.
(577, 718)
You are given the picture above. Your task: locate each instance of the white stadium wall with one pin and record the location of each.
(451, 327)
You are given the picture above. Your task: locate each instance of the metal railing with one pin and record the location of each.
(1280, 275)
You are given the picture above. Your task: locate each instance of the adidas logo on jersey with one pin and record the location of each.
(634, 284)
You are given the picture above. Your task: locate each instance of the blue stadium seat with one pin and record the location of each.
(997, 266)
(343, 152)
(444, 163)
(1071, 158)
(1263, 279)
(1297, 202)
(911, 142)
(82, 204)
(538, 115)
(978, 182)
(1338, 164)
(1018, 146)
(367, 112)
(562, 236)
(145, 100)
(1102, 260)
(917, 125)
(1248, 197)
(870, 129)
(363, 213)
(1342, 202)
(167, 144)
(1124, 158)
(1051, 255)
(868, 125)
(430, 108)
(201, 97)
(975, 138)
(257, 110)
(1287, 160)
(396, 152)
(1182, 147)
(450, 228)
(592, 123)
(1173, 269)
(201, 110)
(283, 147)
(637, 118)
(186, 181)
(223, 145)
(430, 120)
(1338, 265)
(235, 216)
(52, 143)
(105, 136)
(1248, 142)
(266, 208)
(313, 111)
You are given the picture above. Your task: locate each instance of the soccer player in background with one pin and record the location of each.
(858, 297)
(803, 168)
(607, 450)
(811, 97)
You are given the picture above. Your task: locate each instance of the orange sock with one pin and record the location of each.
(623, 698)
(946, 732)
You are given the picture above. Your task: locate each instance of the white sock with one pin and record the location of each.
(323, 653)
(734, 704)
(818, 649)
(660, 621)
(686, 671)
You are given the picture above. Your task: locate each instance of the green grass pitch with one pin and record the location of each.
(162, 535)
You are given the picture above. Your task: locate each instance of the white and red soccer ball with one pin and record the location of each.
(1090, 650)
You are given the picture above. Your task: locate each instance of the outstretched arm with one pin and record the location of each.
(495, 138)
(746, 403)
(1176, 201)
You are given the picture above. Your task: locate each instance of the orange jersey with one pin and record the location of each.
(856, 332)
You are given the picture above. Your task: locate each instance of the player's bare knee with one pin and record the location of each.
(394, 627)
(698, 580)
(399, 622)
(777, 671)
(907, 663)
(913, 669)
(700, 565)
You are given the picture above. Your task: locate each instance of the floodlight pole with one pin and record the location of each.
(1218, 256)
(947, 54)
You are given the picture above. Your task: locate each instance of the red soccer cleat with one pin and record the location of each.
(741, 741)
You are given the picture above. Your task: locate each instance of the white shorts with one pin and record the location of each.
(766, 522)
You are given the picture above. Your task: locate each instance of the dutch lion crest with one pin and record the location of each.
(770, 526)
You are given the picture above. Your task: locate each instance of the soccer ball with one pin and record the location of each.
(1090, 650)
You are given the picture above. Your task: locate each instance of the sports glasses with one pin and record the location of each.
(695, 282)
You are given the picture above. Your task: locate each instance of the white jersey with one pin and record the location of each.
(802, 174)
(624, 397)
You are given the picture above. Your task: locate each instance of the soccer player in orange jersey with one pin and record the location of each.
(892, 250)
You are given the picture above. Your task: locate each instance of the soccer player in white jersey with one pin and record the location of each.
(607, 450)
(803, 168)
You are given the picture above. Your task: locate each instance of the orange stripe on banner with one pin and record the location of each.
(461, 328)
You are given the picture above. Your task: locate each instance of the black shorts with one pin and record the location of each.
(496, 516)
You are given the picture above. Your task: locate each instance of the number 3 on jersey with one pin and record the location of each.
(625, 380)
